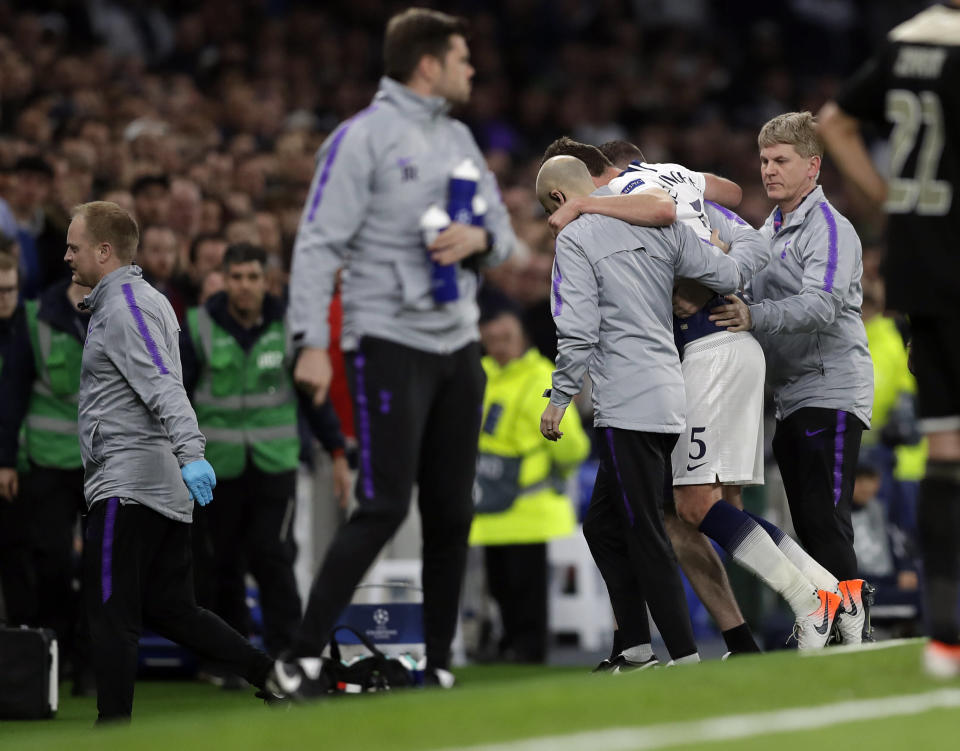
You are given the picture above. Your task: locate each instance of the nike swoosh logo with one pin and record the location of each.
(695, 466)
(822, 628)
(852, 610)
(812, 433)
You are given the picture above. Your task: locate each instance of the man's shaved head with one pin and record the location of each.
(560, 179)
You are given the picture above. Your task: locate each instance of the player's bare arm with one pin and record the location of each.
(721, 190)
(651, 208)
(841, 135)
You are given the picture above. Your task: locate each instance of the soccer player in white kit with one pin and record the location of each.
(723, 446)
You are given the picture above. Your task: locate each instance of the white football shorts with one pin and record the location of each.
(723, 378)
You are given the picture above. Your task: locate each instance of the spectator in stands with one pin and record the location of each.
(206, 256)
(151, 199)
(40, 235)
(157, 257)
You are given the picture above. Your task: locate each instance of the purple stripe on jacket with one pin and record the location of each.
(557, 300)
(733, 215)
(832, 249)
(144, 331)
(616, 469)
(106, 551)
(838, 455)
(331, 155)
(363, 426)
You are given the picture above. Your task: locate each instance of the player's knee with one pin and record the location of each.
(693, 502)
(690, 513)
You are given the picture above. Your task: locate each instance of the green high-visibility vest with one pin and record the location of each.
(244, 400)
(50, 428)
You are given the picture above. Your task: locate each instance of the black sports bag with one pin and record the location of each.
(28, 673)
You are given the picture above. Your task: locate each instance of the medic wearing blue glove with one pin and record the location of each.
(200, 479)
(143, 464)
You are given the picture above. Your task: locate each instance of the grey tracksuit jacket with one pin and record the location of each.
(806, 312)
(612, 306)
(136, 425)
(376, 175)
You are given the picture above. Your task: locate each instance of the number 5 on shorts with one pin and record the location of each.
(702, 447)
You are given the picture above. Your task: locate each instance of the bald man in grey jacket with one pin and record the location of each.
(612, 305)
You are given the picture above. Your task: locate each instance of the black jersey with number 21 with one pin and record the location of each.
(912, 88)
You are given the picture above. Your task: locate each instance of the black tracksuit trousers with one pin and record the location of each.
(624, 529)
(417, 418)
(817, 451)
(138, 569)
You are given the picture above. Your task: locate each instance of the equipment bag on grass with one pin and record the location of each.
(375, 672)
(28, 673)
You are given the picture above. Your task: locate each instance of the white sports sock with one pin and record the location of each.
(689, 659)
(638, 653)
(760, 555)
(813, 571)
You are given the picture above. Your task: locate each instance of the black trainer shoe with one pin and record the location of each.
(302, 680)
(621, 664)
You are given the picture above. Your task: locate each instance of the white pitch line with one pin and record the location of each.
(854, 648)
(731, 727)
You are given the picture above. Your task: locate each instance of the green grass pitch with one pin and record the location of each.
(505, 704)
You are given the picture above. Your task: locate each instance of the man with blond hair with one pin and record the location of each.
(142, 454)
(805, 312)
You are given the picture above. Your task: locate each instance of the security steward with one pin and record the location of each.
(237, 368)
(40, 383)
(519, 491)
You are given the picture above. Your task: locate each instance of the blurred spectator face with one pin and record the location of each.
(246, 285)
(268, 225)
(456, 72)
(209, 257)
(152, 205)
(865, 487)
(211, 284)
(30, 191)
(186, 207)
(242, 231)
(503, 338)
(784, 173)
(211, 216)
(9, 292)
(122, 198)
(238, 203)
(158, 253)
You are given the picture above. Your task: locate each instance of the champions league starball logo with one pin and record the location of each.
(381, 617)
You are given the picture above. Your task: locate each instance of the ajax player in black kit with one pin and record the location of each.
(911, 88)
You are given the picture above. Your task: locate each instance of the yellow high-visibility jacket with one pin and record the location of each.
(510, 433)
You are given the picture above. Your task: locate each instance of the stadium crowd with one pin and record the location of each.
(203, 120)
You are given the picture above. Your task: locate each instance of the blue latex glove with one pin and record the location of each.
(200, 479)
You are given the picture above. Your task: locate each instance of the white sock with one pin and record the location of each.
(689, 659)
(638, 653)
(759, 554)
(813, 571)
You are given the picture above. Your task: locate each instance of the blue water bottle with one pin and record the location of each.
(462, 189)
(443, 278)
